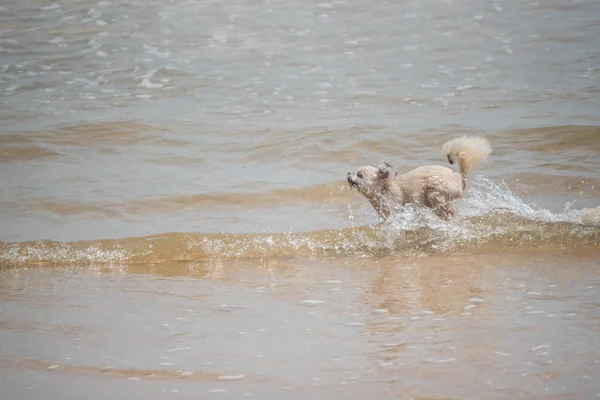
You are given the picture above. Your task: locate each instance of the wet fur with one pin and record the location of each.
(431, 186)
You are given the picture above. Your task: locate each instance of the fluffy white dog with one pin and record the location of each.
(432, 186)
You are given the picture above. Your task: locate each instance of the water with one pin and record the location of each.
(174, 220)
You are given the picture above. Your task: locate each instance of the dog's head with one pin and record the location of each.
(371, 180)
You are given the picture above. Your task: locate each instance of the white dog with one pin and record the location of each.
(432, 186)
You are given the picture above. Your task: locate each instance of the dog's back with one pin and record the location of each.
(415, 183)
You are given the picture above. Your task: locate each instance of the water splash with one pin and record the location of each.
(485, 197)
(488, 211)
(491, 217)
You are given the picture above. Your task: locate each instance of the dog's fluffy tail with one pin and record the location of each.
(467, 151)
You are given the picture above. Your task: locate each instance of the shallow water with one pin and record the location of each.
(496, 326)
(174, 220)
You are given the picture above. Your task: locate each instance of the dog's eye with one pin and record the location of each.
(359, 175)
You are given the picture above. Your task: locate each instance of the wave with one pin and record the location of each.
(492, 218)
(558, 138)
(496, 231)
(118, 133)
(321, 193)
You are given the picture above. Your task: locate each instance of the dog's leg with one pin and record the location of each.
(448, 212)
(444, 212)
(451, 211)
(439, 203)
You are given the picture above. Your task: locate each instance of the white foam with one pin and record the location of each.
(231, 377)
(150, 85)
(441, 361)
(178, 349)
(311, 301)
(542, 346)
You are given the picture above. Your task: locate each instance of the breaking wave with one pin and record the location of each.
(491, 218)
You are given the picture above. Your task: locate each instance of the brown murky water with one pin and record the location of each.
(174, 221)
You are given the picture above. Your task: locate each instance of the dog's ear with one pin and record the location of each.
(385, 170)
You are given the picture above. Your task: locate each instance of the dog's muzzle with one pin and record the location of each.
(351, 181)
